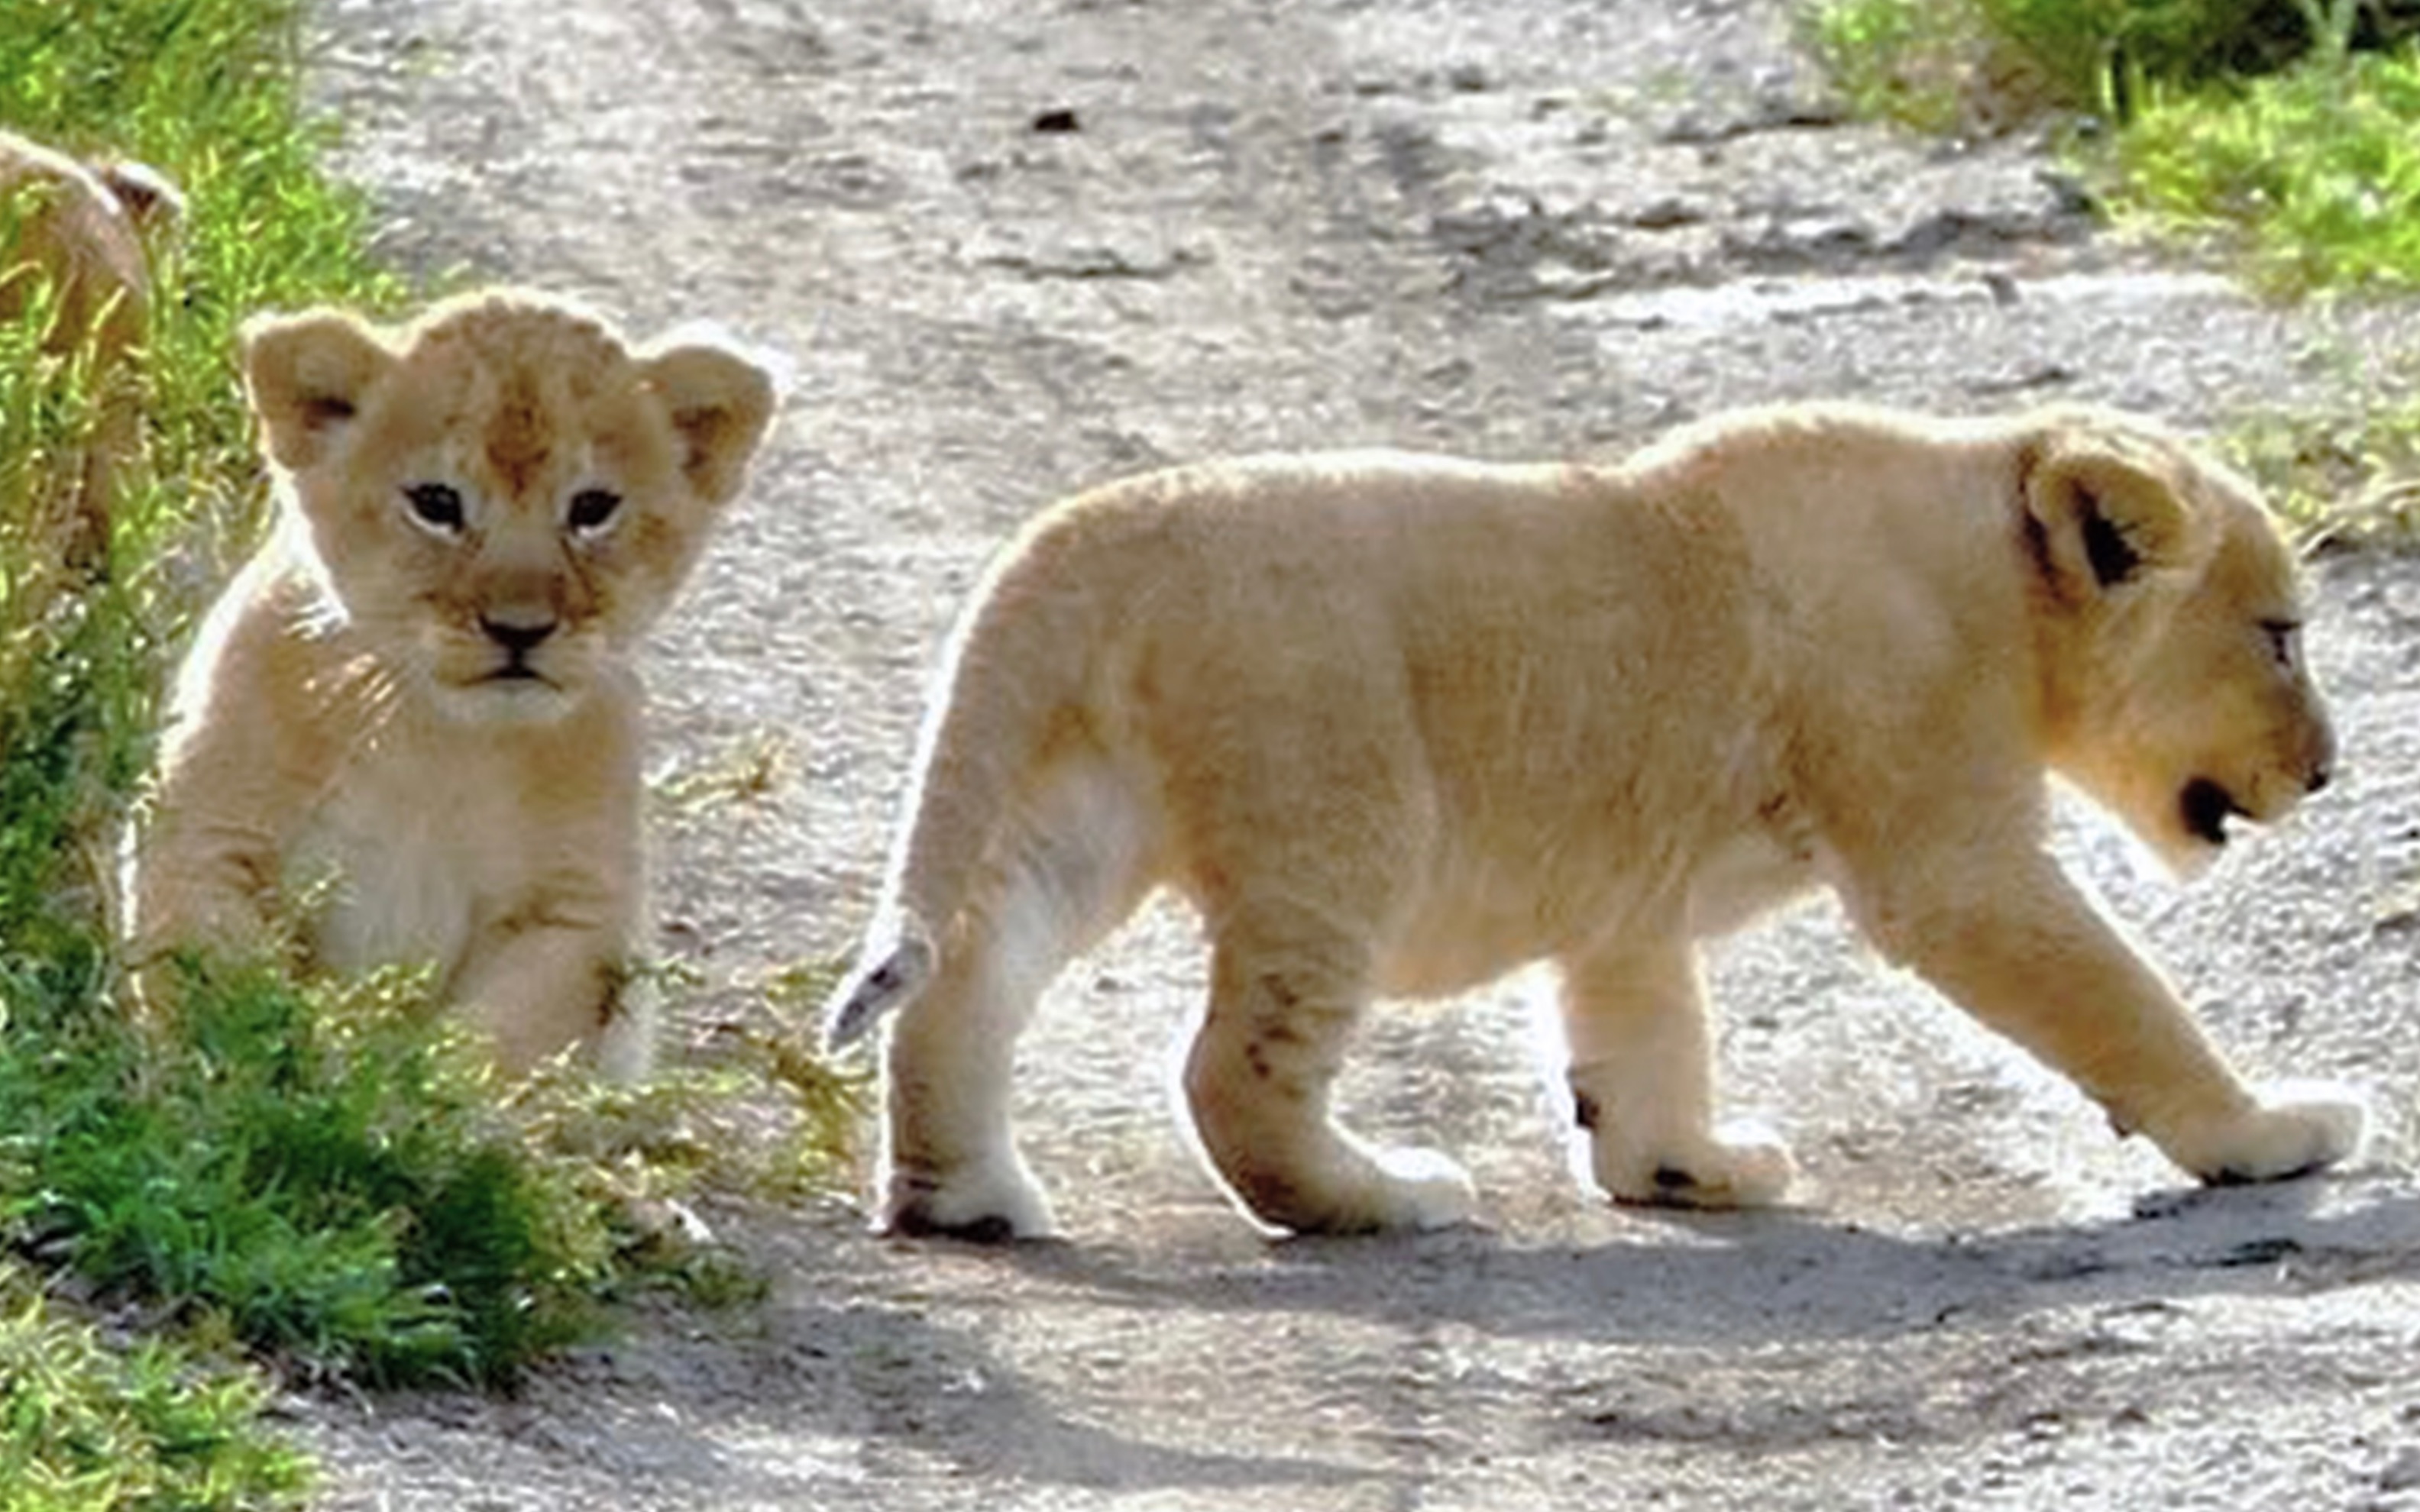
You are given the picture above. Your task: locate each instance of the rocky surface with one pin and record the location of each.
(1008, 250)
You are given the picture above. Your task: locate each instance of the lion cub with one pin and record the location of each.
(1397, 725)
(417, 701)
(72, 234)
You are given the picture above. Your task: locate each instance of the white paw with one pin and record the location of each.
(2298, 1128)
(1421, 1189)
(990, 1203)
(1739, 1165)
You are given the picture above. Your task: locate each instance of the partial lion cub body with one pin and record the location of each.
(1397, 725)
(71, 240)
(417, 701)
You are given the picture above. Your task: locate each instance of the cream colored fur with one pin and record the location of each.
(72, 234)
(416, 704)
(1397, 725)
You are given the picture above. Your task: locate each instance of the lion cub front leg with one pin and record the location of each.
(2031, 957)
(1259, 1081)
(1642, 1085)
(538, 986)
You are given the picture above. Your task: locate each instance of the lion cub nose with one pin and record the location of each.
(2320, 767)
(519, 634)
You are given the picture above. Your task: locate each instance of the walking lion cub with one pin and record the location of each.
(417, 701)
(1397, 725)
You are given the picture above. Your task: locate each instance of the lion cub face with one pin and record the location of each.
(2186, 701)
(502, 498)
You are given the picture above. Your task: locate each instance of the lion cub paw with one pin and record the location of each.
(1735, 1167)
(1421, 1189)
(2298, 1128)
(988, 1204)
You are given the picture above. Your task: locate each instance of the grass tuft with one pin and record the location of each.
(2311, 177)
(2284, 133)
(1988, 64)
(2344, 477)
(88, 1426)
(320, 1173)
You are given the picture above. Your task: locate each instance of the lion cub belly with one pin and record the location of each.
(1475, 927)
(1755, 872)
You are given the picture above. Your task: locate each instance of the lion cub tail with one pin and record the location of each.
(877, 987)
(1017, 670)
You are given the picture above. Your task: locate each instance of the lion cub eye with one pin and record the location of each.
(436, 507)
(591, 510)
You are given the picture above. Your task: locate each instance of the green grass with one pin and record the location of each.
(1902, 60)
(205, 90)
(2310, 178)
(2284, 133)
(1984, 65)
(2282, 136)
(317, 1178)
(90, 1426)
(2343, 477)
(320, 1176)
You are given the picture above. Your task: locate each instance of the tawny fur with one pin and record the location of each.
(429, 728)
(73, 244)
(1396, 725)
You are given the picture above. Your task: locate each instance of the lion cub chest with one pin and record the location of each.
(424, 850)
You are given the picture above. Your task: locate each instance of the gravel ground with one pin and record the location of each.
(1008, 250)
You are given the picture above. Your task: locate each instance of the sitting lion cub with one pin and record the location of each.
(418, 699)
(1397, 725)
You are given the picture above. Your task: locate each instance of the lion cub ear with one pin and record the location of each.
(150, 199)
(2099, 516)
(308, 375)
(720, 404)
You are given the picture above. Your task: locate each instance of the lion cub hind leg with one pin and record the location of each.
(1642, 1087)
(1075, 860)
(950, 1159)
(1259, 1080)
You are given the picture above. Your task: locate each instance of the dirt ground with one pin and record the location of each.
(1010, 249)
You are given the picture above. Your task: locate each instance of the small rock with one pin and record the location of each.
(1667, 214)
(2402, 1473)
(2069, 194)
(2268, 1251)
